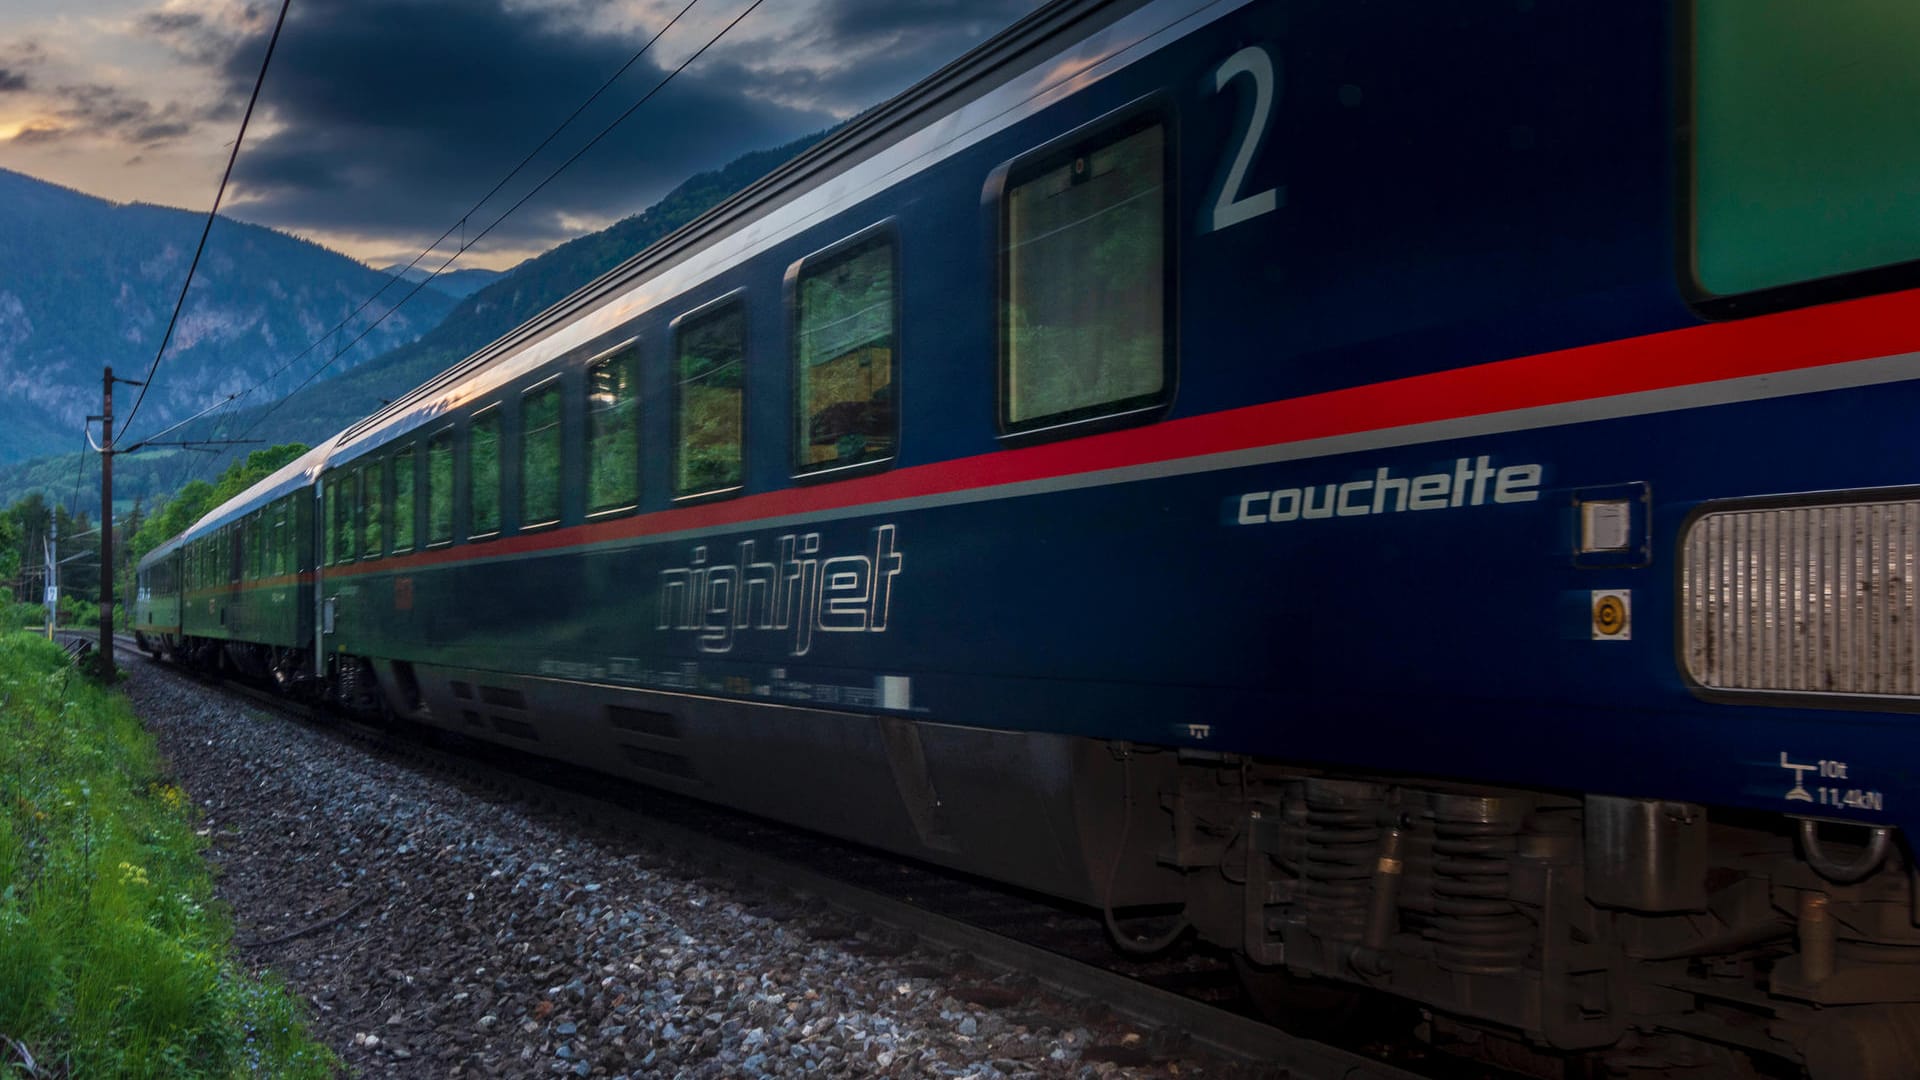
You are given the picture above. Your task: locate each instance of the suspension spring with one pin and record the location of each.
(1342, 836)
(1476, 928)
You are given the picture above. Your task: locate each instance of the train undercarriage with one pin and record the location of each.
(1549, 934)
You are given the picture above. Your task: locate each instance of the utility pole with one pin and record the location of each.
(106, 527)
(106, 519)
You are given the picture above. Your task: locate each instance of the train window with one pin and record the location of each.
(373, 505)
(343, 494)
(277, 565)
(613, 435)
(710, 351)
(440, 488)
(1084, 267)
(540, 455)
(256, 544)
(483, 473)
(844, 317)
(403, 501)
(1804, 146)
(350, 509)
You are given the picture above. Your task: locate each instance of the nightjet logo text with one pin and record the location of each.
(799, 591)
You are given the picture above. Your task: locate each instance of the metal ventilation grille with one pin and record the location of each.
(1808, 599)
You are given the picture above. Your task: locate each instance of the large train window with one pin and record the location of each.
(1804, 150)
(1084, 267)
(372, 509)
(613, 434)
(845, 319)
(483, 474)
(403, 501)
(540, 455)
(440, 488)
(709, 370)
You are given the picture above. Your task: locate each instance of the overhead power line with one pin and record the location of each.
(211, 215)
(459, 223)
(79, 473)
(537, 188)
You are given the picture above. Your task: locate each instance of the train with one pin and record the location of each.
(1420, 496)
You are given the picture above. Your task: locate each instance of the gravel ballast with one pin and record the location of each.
(439, 933)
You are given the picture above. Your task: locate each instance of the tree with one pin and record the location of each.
(9, 555)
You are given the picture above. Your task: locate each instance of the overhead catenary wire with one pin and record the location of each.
(537, 188)
(459, 224)
(212, 214)
(79, 474)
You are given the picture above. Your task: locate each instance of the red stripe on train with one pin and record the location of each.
(1807, 338)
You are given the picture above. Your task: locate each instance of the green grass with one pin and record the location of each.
(114, 958)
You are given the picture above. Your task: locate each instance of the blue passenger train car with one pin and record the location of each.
(1427, 491)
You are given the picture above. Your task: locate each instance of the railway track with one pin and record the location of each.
(881, 905)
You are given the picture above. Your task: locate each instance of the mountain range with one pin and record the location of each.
(86, 283)
(458, 329)
(455, 283)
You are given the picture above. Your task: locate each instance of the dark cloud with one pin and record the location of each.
(101, 110)
(859, 52)
(392, 116)
(200, 39)
(40, 132)
(854, 22)
(25, 54)
(16, 58)
(160, 132)
(170, 23)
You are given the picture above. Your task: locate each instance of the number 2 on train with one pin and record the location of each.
(1229, 206)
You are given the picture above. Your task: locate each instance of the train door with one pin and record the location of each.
(317, 534)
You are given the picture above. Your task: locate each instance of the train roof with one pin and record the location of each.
(1051, 51)
(294, 475)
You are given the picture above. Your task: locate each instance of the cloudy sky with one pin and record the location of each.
(383, 121)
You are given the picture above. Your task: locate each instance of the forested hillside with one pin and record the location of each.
(334, 401)
(86, 283)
